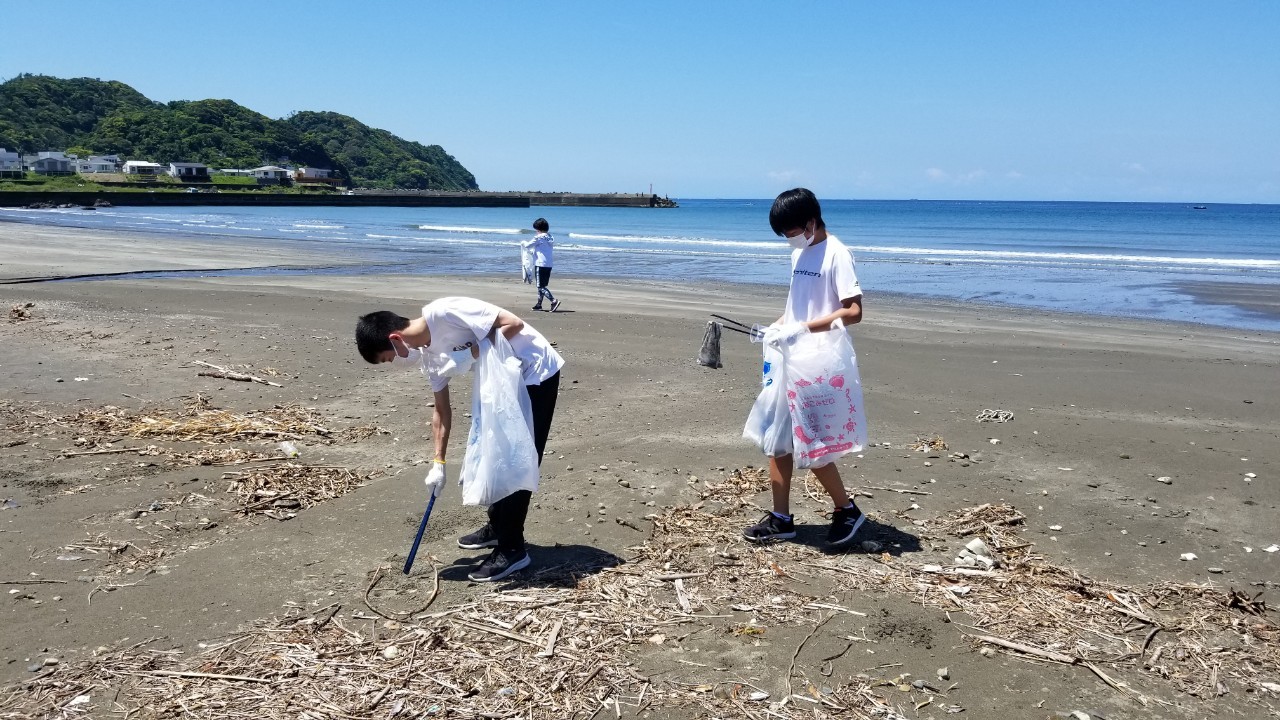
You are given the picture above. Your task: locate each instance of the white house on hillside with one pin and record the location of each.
(98, 164)
(10, 160)
(142, 167)
(189, 171)
(270, 172)
(50, 163)
(315, 175)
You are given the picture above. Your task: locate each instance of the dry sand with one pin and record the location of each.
(1102, 410)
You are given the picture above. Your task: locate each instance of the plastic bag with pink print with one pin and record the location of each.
(824, 396)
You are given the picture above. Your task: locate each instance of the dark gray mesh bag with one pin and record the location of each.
(710, 353)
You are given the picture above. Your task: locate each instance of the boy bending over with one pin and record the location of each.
(442, 342)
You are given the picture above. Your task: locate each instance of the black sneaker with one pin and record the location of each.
(555, 305)
(770, 527)
(844, 525)
(538, 306)
(482, 538)
(500, 564)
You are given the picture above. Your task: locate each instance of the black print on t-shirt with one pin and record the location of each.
(810, 273)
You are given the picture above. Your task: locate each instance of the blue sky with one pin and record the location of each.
(1168, 101)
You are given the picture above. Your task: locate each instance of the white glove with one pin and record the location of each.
(783, 335)
(435, 479)
(455, 363)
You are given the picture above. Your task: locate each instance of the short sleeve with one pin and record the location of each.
(844, 279)
(474, 316)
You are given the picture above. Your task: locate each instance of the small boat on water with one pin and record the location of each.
(1199, 207)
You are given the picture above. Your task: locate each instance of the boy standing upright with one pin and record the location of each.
(543, 247)
(442, 343)
(824, 290)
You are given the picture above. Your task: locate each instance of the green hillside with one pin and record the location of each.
(39, 112)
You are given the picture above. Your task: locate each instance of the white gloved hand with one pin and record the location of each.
(455, 363)
(779, 336)
(435, 479)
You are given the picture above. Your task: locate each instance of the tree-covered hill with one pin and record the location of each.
(39, 112)
(379, 153)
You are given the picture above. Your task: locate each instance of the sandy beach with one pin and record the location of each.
(1127, 446)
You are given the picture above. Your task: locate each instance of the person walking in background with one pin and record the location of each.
(543, 245)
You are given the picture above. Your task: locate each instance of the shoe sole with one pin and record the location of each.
(491, 543)
(856, 526)
(767, 538)
(520, 564)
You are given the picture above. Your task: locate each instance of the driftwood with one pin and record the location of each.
(897, 490)
(107, 451)
(1028, 649)
(224, 373)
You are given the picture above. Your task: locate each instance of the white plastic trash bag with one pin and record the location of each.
(526, 265)
(824, 395)
(769, 423)
(501, 457)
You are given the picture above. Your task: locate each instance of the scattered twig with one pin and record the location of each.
(792, 667)
(393, 615)
(221, 372)
(209, 676)
(897, 490)
(107, 451)
(33, 582)
(1028, 650)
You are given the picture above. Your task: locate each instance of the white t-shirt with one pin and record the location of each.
(456, 323)
(822, 277)
(543, 245)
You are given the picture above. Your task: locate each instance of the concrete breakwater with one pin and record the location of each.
(541, 198)
(358, 198)
(23, 198)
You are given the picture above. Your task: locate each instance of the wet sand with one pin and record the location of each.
(1260, 298)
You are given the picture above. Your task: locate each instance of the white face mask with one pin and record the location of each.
(800, 241)
(413, 362)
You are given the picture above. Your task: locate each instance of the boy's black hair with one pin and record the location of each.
(372, 331)
(541, 225)
(794, 209)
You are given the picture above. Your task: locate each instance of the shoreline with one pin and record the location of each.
(1261, 300)
(289, 259)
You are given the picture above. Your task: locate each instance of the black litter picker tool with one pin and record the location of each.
(710, 354)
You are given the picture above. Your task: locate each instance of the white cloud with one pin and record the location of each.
(1013, 175)
(783, 176)
(1134, 167)
(968, 178)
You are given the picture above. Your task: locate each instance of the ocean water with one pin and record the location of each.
(1111, 259)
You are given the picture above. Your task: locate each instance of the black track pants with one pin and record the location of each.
(507, 515)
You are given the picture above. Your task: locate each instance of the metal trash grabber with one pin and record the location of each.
(413, 551)
(748, 331)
